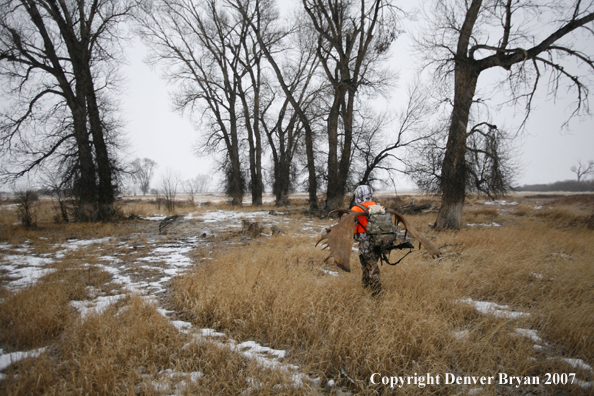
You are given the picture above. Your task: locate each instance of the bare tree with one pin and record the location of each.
(202, 183)
(285, 129)
(582, 170)
(158, 197)
(523, 39)
(191, 191)
(142, 172)
(196, 185)
(376, 143)
(59, 58)
(353, 37)
(295, 97)
(170, 183)
(196, 42)
(253, 98)
(26, 199)
(62, 194)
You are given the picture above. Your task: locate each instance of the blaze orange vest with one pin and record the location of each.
(361, 226)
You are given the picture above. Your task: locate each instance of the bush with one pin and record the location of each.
(26, 200)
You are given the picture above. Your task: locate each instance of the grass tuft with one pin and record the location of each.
(34, 316)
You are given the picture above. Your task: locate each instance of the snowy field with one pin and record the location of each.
(150, 276)
(160, 258)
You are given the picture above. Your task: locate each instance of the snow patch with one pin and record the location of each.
(532, 334)
(154, 218)
(25, 270)
(74, 244)
(578, 364)
(96, 306)
(461, 334)
(10, 358)
(328, 272)
(483, 224)
(500, 311)
(501, 202)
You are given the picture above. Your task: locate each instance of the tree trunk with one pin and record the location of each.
(282, 179)
(254, 138)
(453, 172)
(258, 188)
(312, 183)
(86, 188)
(106, 191)
(280, 185)
(345, 156)
(255, 170)
(340, 169)
(252, 119)
(235, 180)
(335, 192)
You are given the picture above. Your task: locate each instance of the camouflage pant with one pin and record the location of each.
(369, 267)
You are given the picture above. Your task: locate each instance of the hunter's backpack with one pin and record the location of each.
(380, 228)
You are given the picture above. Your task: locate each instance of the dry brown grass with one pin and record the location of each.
(485, 211)
(278, 295)
(144, 207)
(34, 316)
(129, 348)
(522, 210)
(274, 291)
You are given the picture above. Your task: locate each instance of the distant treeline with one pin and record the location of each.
(566, 185)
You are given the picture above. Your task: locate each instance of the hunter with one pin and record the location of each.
(368, 256)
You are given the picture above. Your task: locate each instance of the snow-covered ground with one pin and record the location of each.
(149, 275)
(164, 258)
(505, 312)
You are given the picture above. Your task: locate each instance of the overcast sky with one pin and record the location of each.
(154, 131)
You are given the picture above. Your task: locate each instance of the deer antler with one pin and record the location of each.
(430, 246)
(339, 237)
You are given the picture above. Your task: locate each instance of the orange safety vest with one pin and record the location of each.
(361, 226)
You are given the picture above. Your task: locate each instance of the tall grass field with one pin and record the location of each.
(202, 308)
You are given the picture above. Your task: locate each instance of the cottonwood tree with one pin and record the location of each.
(58, 58)
(284, 128)
(191, 41)
(295, 96)
(209, 51)
(251, 93)
(293, 82)
(285, 139)
(353, 37)
(582, 170)
(201, 183)
(525, 41)
(142, 172)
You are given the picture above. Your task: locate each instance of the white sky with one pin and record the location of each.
(156, 132)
